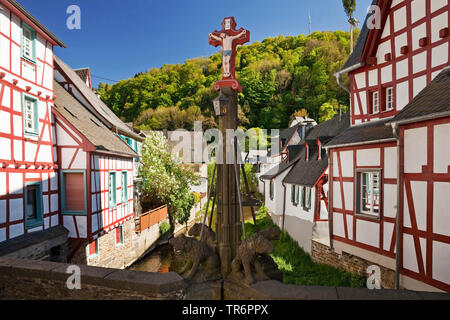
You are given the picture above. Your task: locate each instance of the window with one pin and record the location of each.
(93, 248)
(73, 192)
(112, 189)
(30, 115)
(28, 43)
(119, 235)
(124, 187)
(369, 193)
(389, 98)
(306, 198)
(271, 190)
(33, 204)
(295, 195)
(375, 102)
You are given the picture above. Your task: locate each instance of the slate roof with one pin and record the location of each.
(314, 169)
(19, 7)
(355, 57)
(88, 125)
(280, 168)
(432, 101)
(100, 107)
(289, 132)
(363, 134)
(307, 173)
(330, 128)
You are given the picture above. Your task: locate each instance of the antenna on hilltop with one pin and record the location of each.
(309, 22)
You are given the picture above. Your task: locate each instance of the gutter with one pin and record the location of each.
(284, 206)
(360, 143)
(419, 119)
(346, 70)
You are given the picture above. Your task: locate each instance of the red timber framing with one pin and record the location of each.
(375, 40)
(340, 179)
(320, 196)
(97, 169)
(46, 62)
(428, 235)
(27, 167)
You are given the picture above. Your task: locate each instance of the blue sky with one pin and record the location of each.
(121, 38)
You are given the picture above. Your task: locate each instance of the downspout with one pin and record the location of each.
(284, 206)
(398, 227)
(338, 75)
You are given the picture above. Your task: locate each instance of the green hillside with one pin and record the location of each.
(279, 76)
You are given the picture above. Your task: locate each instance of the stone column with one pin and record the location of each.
(228, 225)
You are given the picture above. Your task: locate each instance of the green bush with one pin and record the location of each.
(296, 264)
(164, 228)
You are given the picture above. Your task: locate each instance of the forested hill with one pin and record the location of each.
(279, 77)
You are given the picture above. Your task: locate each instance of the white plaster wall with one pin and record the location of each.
(368, 157)
(276, 205)
(441, 148)
(368, 233)
(441, 205)
(415, 149)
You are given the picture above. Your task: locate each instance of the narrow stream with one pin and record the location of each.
(160, 259)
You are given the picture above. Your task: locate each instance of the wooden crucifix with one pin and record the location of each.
(229, 38)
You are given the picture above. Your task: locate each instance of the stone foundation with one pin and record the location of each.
(118, 256)
(322, 254)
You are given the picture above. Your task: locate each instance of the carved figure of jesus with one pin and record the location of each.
(227, 50)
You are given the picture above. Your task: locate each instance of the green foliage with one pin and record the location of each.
(296, 264)
(166, 180)
(251, 178)
(329, 109)
(279, 76)
(164, 228)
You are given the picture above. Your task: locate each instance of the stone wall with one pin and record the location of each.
(29, 279)
(322, 254)
(49, 244)
(118, 256)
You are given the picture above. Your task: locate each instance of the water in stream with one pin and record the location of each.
(160, 259)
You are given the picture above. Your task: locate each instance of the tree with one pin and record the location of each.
(166, 181)
(278, 75)
(350, 7)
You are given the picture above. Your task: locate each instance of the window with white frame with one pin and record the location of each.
(112, 190)
(295, 195)
(30, 115)
(375, 102)
(28, 45)
(124, 187)
(271, 190)
(306, 198)
(389, 98)
(369, 195)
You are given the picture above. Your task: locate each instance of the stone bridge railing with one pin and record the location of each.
(30, 279)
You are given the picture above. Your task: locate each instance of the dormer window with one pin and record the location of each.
(28, 43)
(389, 99)
(375, 102)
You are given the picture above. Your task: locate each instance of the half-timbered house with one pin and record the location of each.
(29, 188)
(388, 171)
(96, 179)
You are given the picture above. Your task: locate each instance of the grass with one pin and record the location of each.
(296, 264)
